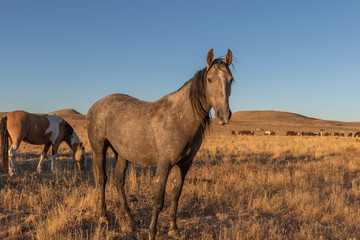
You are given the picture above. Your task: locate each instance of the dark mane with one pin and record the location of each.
(197, 95)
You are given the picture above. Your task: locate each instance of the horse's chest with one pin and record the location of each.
(184, 150)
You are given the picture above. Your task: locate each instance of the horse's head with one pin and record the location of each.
(80, 157)
(218, 86)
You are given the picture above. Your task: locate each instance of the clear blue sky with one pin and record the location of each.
(295, 56)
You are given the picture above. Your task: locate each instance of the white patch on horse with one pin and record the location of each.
(54, 125)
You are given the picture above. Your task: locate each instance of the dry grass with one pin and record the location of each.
(239, 187)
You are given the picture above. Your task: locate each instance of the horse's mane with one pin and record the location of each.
(197, 95)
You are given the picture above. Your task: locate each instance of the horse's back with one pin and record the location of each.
(125, 123)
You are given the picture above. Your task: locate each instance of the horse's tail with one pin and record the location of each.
(4, 143)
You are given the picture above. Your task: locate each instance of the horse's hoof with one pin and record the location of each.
(174, 234)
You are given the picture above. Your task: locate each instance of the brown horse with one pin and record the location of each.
(291, 133)
(50, 130)
(167, 133)
(246, 132)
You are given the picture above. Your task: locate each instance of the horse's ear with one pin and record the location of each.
(210, 58)
(228, 58)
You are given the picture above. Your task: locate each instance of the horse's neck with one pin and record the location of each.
(73, 141)
(184, 109)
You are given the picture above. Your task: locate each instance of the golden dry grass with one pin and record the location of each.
(239, 187)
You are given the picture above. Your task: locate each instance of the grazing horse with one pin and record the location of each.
(50, 130)
(291, 133)
(167, 133)
(357, 134)
(308, 134)
(339, 134)
(246, 132)
(269, 133)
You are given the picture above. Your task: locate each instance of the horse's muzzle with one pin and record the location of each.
(223, 117)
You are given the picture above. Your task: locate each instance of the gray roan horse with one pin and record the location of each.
(47, 130)
(167, 133)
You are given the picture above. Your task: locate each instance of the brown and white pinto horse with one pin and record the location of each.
(50, 130)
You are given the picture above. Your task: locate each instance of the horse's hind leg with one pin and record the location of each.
(120, 170)
(42, 156)
(13, 147)
(181, 170)
(99, 166)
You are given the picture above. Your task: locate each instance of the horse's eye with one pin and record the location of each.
(209, 80)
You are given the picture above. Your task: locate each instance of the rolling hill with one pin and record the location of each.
(258, 121)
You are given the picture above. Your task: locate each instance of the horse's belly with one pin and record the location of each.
(35, 141)
(137, 150)
(138, 155)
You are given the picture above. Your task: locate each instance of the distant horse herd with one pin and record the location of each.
(295, 133)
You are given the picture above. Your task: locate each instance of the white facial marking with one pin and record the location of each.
(54, 121)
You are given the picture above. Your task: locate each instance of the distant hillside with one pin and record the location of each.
(281, 122)
(273, 117)
(68, 111)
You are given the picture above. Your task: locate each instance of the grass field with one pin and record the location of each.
(239, 187)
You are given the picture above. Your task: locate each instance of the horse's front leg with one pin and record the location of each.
(162, 173)
(42, 156)
(181, 170)
(53, 160)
